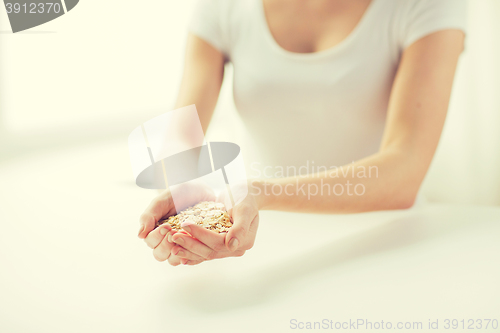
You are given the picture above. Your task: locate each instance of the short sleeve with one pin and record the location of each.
(206, 23)
(424, 17)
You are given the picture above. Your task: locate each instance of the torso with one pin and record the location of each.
(311, 93)
(312, 78)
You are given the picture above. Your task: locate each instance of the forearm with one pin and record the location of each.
(383, 181)
(200, 86)
(201, 92)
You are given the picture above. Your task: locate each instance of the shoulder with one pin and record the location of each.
(225, 6)
(219, 22)
(419, 4)
(419, 18)
(225, 12)
(413, 9)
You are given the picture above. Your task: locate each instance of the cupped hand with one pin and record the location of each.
(207, 245)
(195, 244)
(160, 239)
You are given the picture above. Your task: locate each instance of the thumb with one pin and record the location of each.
(243, 215)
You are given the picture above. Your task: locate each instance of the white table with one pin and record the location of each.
(70, 260)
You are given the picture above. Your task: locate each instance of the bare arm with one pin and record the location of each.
(417, 111)
(201, 80)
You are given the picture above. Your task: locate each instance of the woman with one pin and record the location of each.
(358, 84)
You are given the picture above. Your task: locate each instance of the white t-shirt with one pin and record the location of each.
(326, 108)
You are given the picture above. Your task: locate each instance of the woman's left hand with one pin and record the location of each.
(207, 245)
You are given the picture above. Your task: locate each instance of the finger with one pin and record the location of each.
(154, 238)
(211, 239)
(243, 216)
(159, 207)
(174, 260)
(185, 254)
(162, 251)
(191, 262)
(194, 246)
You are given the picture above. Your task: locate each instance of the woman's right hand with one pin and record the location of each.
(160, 239)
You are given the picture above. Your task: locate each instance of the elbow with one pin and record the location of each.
(405, 204)
(397, 201)
(402, 201)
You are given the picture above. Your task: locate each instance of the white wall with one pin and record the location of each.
(105, 60)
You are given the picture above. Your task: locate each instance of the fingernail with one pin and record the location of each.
(233, 244)
(140, 230)
(163, 231)
(169, 237)
(181, 254)
(185, 225)
(179, 241)
(184, 261)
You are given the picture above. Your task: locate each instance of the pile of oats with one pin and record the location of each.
(210, 215)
